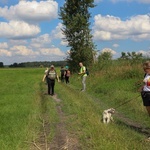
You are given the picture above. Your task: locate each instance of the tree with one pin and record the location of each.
(1, 65)
(105, 56)
(131, 56)
(75, 19)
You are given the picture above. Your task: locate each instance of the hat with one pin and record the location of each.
(67, 67)
(52, 66)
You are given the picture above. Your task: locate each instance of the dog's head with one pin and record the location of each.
(111, 110)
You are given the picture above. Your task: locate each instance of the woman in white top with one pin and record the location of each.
(145, 91)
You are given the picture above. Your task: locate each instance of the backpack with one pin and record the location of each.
(87, 71)
(67, 73)
(51, 74)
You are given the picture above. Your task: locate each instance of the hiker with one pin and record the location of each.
(51, 76)
(83, 75)
(67, 74)
(45, 77)
(145, 89)
(62, 74)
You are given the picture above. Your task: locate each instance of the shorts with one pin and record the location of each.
(146, 98)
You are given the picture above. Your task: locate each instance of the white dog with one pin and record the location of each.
(107, 115)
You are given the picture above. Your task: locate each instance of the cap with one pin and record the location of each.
(52, 66)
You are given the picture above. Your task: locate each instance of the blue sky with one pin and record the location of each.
(31, 31)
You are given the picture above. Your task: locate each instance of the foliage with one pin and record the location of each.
(39, 64)
(131, 56)
(75, 16)
(105, 56)
(1, 65)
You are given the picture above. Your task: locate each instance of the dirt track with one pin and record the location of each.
(62, 140)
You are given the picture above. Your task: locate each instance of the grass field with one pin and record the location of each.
(23, 106)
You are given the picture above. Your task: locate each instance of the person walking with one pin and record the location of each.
(62, 74)
(83, 75)
(67, 74)
(145, 89)
(51, 76)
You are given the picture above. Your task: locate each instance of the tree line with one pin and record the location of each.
(38, 64)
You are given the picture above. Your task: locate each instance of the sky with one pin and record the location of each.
(30, 30)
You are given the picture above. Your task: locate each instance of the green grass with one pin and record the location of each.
(18, 103)
(23, 105)
(105, 89)
(84, 122)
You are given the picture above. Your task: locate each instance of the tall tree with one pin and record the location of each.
(75, 19)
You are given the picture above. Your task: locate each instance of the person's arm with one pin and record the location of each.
(57, 77)
(44, 77)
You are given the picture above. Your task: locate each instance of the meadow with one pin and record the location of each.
(23, 106)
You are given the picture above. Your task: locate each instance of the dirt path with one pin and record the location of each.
(62, 140)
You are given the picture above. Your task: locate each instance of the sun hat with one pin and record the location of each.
(52, 66)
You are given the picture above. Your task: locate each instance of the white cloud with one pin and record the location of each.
(145, 53)
(115, 45)
(31, 11)
(12, 42)
(52, 51)
(4, 52)
(18, 29)
(41, 41)
(108, 50)
(23, 50)
(112, 28)
(57, 33)
(23, 18)
(3, 45)
(64, 43)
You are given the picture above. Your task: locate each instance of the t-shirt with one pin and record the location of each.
(62, 71)
(147, 83)
(83, 69)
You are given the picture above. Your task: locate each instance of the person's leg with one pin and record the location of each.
(48, 88)
(67, 79)
(148, 109)
(52, 87)
(62, 78)
(83, 83)
(146, 101)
